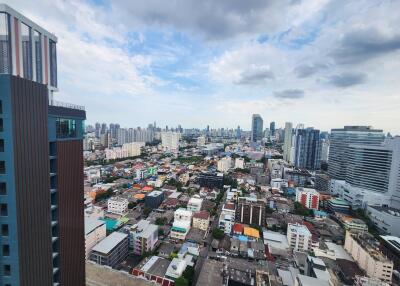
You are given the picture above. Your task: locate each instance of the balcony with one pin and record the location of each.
(65, 105)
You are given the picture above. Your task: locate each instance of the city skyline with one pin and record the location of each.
(328, 62)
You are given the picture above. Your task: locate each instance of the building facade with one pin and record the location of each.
(256, 128)
(117, 205)
(112, 250)
(154, 199)
(41, 163)
(287, 146)
(95, 231)
(250, 211)
(143, 237)
(299, 237)
(182, 223)
(307, 149)
(201, 220)
(308, 198)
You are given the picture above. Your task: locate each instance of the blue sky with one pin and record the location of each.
(322, 63)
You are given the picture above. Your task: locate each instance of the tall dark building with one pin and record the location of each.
(250, 211)
(98, 129)
(256, 128)
(41, 164)
(211, 180)
(272, 128)
(307, 149)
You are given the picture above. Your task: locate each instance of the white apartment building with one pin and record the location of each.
(239, 163)
(278, 183)
(299, 237)
(201, 141)
(227, 217)
(195, 203)
(287, 146)
(224, 164)
(143, 237)
(308, 198)
(182, 223)
(117, 205)
(365, 251)
(95, 231)
(170, 141)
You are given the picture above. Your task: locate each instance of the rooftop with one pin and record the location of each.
(155, 265)
(392, 240)
(91, 224)
(111, 241)
(154, 194)
(202, 215)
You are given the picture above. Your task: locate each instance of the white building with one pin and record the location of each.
(95, 231)
(201, 141)
(279, 183)
(387, 220)
(195, 203)
(224, 164)
(182, 223)
(308, 198)
(170, 141)
(299, 237)
(133, 148)
(227, 217)
(239, 163)
(143, 237)
(287, 146)
(117, 205)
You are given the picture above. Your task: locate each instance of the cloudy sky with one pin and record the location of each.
(322, 63)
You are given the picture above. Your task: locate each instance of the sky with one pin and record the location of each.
(322, 63)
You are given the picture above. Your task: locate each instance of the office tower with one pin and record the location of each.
(341, 138)
(287, 146)
(238, 132)
(325, 144)
(97, 127)
(307, 149)
(256, 128)
(41, 163)
(103, 129)
(272, 128)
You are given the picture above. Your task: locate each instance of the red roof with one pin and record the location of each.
(238, 228)
(201, 215)
(229, 206)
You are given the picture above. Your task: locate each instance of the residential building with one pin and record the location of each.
(224, 164)
(364, 249)
(154, 199)
(112, 250)
(195, 203)
(95, 231)
(201, 220)
(390, 246)
(308, 198)
(182, 223)
(41, 162)
(227, 217)
(256, 128)
(154, 269)
(386, 220)
(287, 146)
(143, 237)
(250, 211)
(340, 140)
(307, 149)
(322, 182)
(239, 163)
(170, 141)
(201, 141)
(300, 178)
(117, 205)
(299, 237)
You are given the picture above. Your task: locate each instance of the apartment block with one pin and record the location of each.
(308, 198)
(182, 224)
(117, 205)
(299, 237)
(112, 250)
(250, 211)
(201, 220)
(143, 237)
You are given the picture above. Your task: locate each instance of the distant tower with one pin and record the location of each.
(272, 128)
(256, 128)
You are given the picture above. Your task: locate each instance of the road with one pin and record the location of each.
(205, 250)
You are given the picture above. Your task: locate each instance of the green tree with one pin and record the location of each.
(218, 233)
(161, 220)
(146, 211)
(181, 281)
(131, 205)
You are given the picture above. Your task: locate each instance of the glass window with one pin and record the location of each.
(4, 230)
(38, 56)
(7, 270)
(3, 210)
(53, 63)
(6, 250)
(5, 49)
(26, 50)
(66, 128)
(1, 145)
(3, 190)
(2, 167)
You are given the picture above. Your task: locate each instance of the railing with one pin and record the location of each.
(65, 104)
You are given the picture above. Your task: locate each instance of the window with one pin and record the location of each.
(26, 37)
(5, 48)
(1, 145)
(1, 107)
(37, 37)
(2, 167)
(1, 124)
(65, 128)
(53, 63)
(3, 190)
(7, 270)
(4, 230)
(6, 250)
(3, 210)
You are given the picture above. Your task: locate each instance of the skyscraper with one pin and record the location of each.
(307, 149)
(256, 128)
(272, 128)
(340, 140)
(41, 164)
(287, 146)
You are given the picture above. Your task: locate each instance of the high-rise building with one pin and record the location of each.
(97, 129)
(307, 149)
(324, 150)
(287, 146)
(170, 141)
(41, 162)
(256, 128)
(340, 140)
(272, 128)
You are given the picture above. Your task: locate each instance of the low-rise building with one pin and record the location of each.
(143, 237)
(365, 251)
(182, 223)
(354, 224)
(154, 269)
(239, 163)
(299, 237)
(227, 217)
(195, 203)
(154, 199)
(95, 231)
(112, 250)
(201, 220)
(337, 205)
(117, 205)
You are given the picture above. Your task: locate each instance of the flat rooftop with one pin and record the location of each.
(111, 241)
(91, 224)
